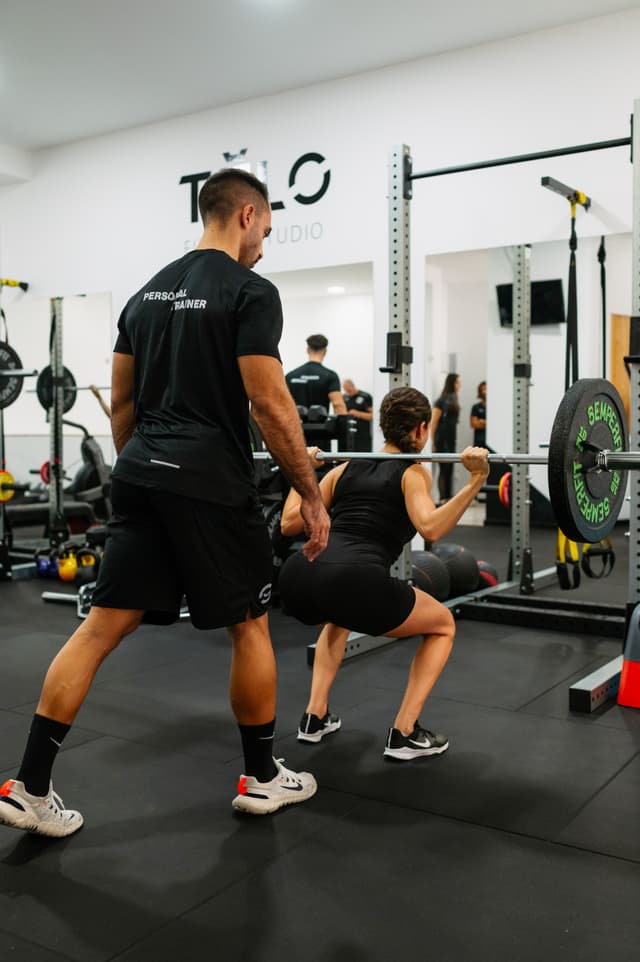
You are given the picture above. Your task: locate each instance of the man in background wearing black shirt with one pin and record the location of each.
(360, 406)
(314, 384)
(195, 346)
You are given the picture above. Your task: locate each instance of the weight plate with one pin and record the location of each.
(587, 500)
(44, 388)
(10, 387)
(6, 478)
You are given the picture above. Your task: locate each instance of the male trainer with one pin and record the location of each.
(312, 384)
(195, 346)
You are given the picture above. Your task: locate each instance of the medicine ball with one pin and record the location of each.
(461, 565)
(488, 575)
(430, 574)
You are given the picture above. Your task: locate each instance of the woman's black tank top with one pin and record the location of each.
(369, 520)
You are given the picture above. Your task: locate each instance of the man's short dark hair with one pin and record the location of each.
(226, 191)
(317, 342)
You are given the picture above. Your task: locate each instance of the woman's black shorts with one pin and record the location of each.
(360, 597)
(161, 546)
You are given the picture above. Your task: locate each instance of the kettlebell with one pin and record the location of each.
(46, 563)
(67, 564)
(88, 563)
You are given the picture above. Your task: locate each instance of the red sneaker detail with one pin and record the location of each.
(242, 785)
(6, 788)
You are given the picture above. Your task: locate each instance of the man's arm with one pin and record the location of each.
(361, 415)
(337, 402)
(477, 423)
(275, 412)
(122, 418)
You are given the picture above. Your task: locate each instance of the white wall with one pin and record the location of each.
(104, 214)
(345, 317)
(457, 328)
(347, 321)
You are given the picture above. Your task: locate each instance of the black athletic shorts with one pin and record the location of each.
(360, 597)
(162, 546)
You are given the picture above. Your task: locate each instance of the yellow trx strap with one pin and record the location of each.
(567, 562)
(603, 550)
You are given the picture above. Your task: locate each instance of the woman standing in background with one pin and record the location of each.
(444, 424)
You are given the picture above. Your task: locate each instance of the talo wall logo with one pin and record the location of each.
(300, 169)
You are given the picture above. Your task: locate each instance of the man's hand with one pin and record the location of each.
(316, 527)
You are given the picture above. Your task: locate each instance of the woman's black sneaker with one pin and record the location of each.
(419, 742)
(313, 729)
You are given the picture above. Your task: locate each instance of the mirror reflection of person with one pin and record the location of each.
(312, 382)
(446, 412)
(360, 406)
(478, 418)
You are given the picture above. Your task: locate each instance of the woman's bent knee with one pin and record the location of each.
(448, 624)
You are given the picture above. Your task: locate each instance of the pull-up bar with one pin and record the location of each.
(522, 158)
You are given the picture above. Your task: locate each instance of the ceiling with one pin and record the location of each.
(71, 69)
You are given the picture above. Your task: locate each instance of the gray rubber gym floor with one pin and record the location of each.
(521, 843)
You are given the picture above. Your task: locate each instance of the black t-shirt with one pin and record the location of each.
(369, 520)
(445, 438)
(185, 330)
(479, 410)
(358, 402)
(312, 383)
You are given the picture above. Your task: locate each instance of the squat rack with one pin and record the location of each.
(400, 356)
(400, 194)
(592, 689)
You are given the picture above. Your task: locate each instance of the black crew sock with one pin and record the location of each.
(45, 738)
(257, 745)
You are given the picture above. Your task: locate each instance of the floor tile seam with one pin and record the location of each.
(237, 881)
(74, 728)
(65, 748)
(39, 945)
(461, 701)
(543, 839)
(138, 671)
(599, 790)
(563, 681)
(578, 718)
(512, 711)
(455, 701)
(574, 846)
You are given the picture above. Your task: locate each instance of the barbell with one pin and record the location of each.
(45, 383)
(586, 461)
(12, 375)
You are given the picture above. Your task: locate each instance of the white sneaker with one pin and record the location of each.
(313, 729)
(35, 813)
(286, 788)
